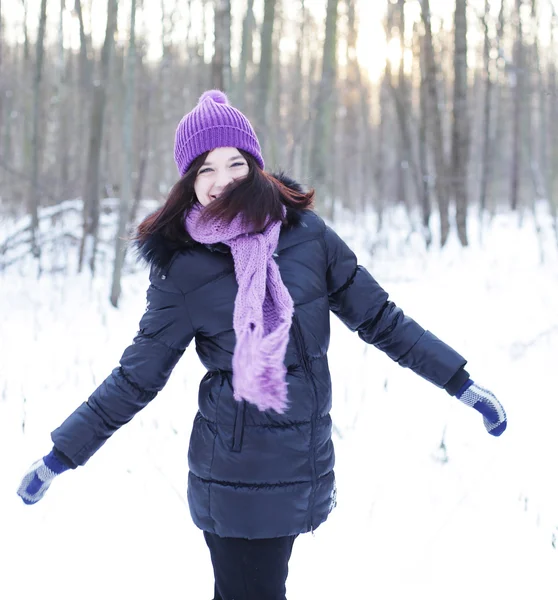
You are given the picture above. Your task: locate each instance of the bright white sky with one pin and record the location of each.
(372, 47)
(406, 526)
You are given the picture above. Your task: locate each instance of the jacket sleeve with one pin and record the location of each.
(165, 331)
(361, 303)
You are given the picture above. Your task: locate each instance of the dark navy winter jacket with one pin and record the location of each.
(254, 474)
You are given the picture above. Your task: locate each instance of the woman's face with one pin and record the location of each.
(221, 167)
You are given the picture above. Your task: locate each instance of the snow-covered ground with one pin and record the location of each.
(474, 518)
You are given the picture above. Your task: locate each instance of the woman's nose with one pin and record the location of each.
(222, 180)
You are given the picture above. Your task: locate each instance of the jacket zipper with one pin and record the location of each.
(239, 418)
(299, 340)
(238, 431)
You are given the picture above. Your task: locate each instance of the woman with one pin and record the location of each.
(240, 263)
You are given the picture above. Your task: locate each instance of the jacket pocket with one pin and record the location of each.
(239, 420)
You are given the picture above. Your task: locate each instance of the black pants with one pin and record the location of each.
(250, 569)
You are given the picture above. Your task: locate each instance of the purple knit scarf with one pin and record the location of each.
(263, 309)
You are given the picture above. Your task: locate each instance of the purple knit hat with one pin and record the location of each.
(213, 123)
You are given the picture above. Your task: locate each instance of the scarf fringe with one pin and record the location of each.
(264, 382)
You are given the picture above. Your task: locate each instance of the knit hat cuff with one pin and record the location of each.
(216, 136)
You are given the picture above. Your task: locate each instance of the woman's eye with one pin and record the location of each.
(238, 164)
(204, 170)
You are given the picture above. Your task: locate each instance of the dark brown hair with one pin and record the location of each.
(259, 196)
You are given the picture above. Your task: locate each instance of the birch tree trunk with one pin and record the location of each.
(276, 134)
(486, 156)
(425, 199)
(82, 100)
(325, 113)
(517, 110)
(538, 147)
(404, 157)
(63, 142)
(127, 161)
(6, 99)
(91, 200)
(553, 171)
(34, 197)
(298, 125)
(6, 131)
(83, 51)
(353, 157)
(381, 156)
(500, 180)
(541, 156)
(435, 125)
(143, 108)
(221, 63)
(27, 82)
(460, 129)
(400, 95)
(2, 82)
(161, 172)
(246, 55)
(264, 72)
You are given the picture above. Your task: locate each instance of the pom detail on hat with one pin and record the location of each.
(215, 95)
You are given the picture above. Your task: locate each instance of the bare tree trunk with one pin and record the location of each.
(541, 96)
(63, 152)
(34, 197)
(82, 100)
(127, 152)
(27, 108)
(265, 71)
(400, 95)
(553, 171)
(486, 157)
(160, 165)
(204, 78)
(310, 86)
(144, 108)
(325, 112)
(26, 51)
(91, 198)
(542, 179)
(245, 55)
(460, 132)
(501, 180)
(221, 63)
(435, 125)
(275, 138)
(533, 114)
(517, 112)
(2, 82)
(383, 150)
(189, 28)
(380, 175)
(425, 199)
(83, 51)
(352, 157)
(6, 100)
(6, 142)
(404, 157)
(299, 126)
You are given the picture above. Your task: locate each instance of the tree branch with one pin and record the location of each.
(26, 178)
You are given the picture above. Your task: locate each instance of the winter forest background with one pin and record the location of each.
(429, 129)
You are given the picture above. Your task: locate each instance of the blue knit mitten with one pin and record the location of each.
(39, 477)
(485, 402)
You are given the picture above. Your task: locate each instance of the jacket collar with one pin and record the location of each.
(158, 252)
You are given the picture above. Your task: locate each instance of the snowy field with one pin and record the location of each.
(429, 505)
